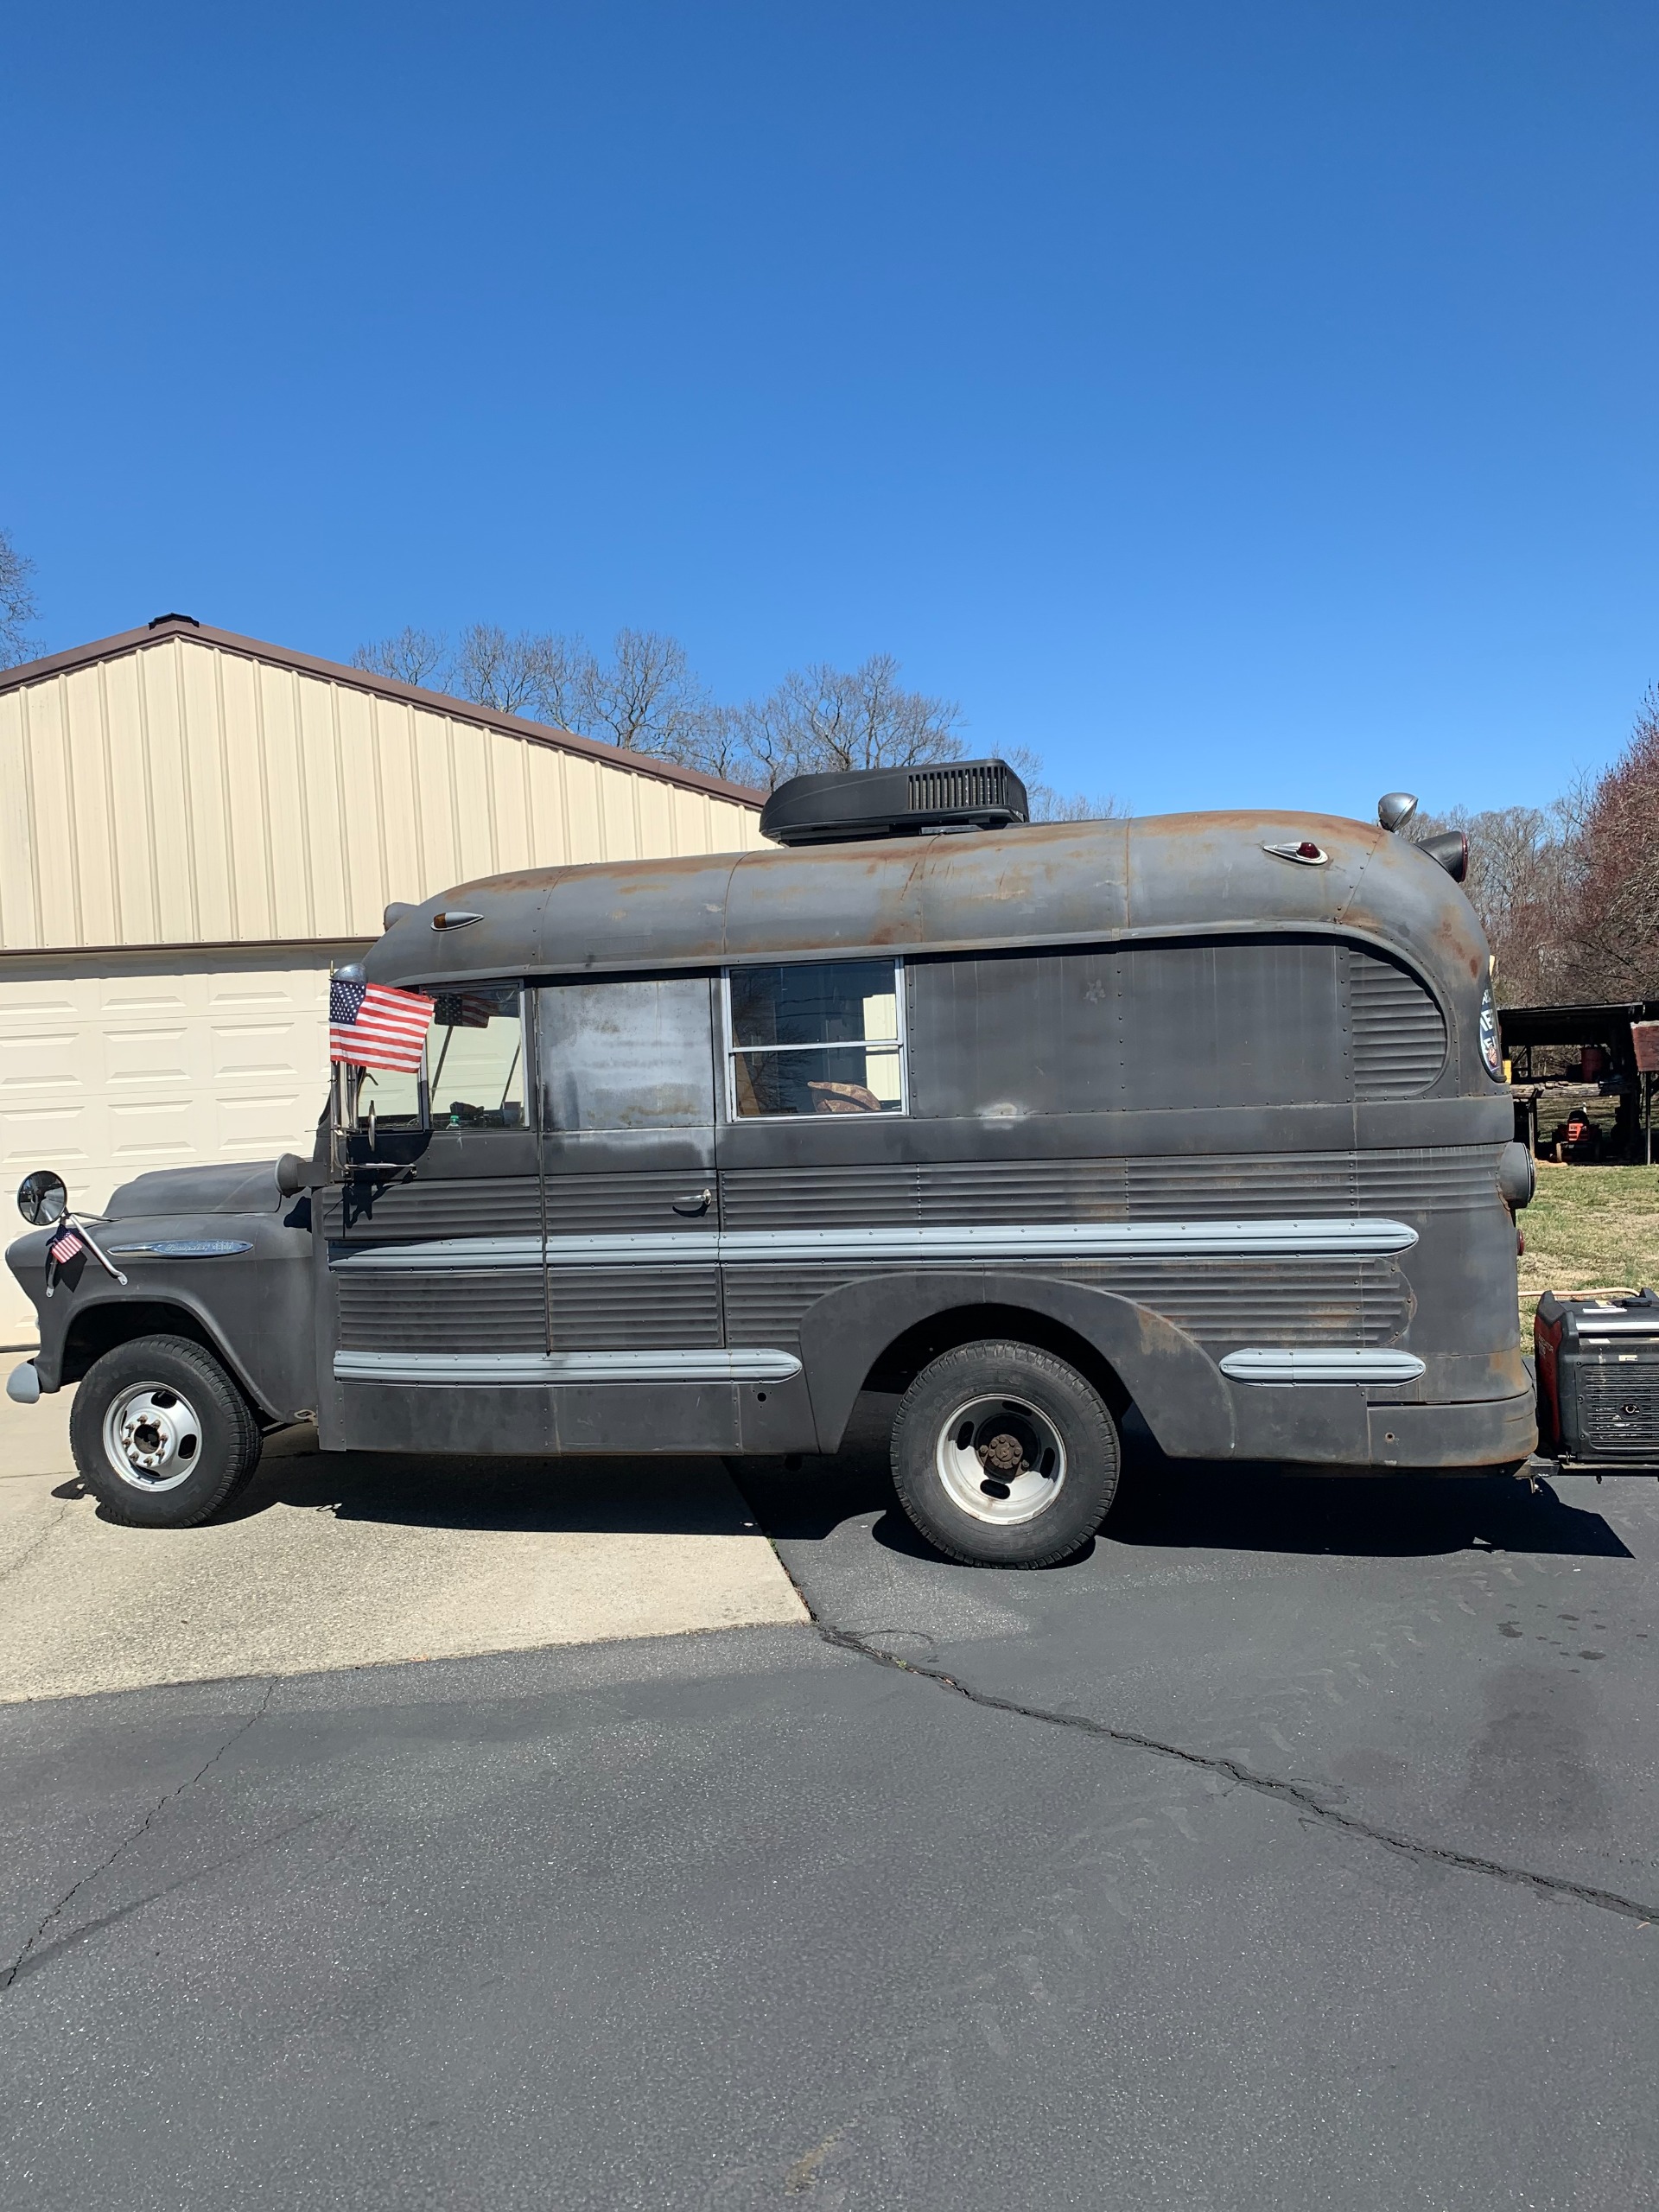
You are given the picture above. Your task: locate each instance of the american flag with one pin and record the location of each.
(464, 1010)
(63, 1248)
(373, 1026)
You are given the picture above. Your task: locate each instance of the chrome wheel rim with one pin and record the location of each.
(152, 1437)
(1000, 1459)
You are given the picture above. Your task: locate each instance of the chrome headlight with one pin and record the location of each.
(1492, 1044)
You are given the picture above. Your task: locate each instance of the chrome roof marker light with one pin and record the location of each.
(1306, 855)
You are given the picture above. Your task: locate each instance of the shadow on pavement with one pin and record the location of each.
(1195, 1505)
(667, 1497)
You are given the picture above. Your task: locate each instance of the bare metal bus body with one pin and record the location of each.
(1197, 1106)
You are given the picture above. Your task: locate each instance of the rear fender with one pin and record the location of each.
(1176, 1386)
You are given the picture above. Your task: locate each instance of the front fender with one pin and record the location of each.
(1177, 1387)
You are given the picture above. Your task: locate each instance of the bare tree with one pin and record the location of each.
(412, 657)
(1048, 804)
(18, 608)
(1525, 863)
(821, 718)
(648, 700)
(1614, 923)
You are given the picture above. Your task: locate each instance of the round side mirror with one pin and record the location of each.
(43, 1197)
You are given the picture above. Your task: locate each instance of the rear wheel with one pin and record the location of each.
(160, 1434)
(1005, 1456)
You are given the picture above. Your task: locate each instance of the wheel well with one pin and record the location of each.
(117, 1321)
(903, 1359)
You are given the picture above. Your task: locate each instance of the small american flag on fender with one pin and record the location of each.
(372, 1025)
(63, 1248)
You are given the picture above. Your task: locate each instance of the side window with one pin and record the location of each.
(823, 1038)
(633, 1055)
(472, 1071)
(475, 1058)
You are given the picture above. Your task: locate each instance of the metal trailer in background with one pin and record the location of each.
(1026, 1122)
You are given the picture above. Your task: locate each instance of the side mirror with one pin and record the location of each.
(43, 1197)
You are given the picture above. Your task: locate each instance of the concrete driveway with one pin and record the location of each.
(358, 1560)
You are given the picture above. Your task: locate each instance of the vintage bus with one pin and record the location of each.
(1026, 1123)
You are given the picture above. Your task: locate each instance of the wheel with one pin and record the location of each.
(160, 1434)
(1004, 1456)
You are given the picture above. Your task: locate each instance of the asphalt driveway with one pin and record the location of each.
(1295, 1847)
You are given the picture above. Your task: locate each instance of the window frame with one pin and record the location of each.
(423, 1124)
(729, 1049)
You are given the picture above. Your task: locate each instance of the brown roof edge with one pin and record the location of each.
(364, 679)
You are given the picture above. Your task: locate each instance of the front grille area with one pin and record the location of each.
(1618, 1411)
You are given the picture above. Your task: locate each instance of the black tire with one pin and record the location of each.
(986, 1422)
(180, 1412)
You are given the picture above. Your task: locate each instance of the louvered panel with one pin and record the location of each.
(1452, 1179)
(867, 1195)
(633, 1309)
(1297, 1301)
(763, 1305)
(1399, 1034)
(1242, 1186)
(954, 1192)
(418, 1211)
(453, 1309)
(592, 1206)
(1225, 1302)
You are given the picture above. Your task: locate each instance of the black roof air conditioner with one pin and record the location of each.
(894, 803)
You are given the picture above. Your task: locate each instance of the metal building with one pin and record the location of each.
(194, 826)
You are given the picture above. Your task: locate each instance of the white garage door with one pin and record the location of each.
(113, 1064)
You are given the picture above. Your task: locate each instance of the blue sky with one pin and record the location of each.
(1237, 403)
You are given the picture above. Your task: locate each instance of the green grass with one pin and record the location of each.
(1589, 1228)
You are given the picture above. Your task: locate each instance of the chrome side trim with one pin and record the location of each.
(446, 1252)
(1319, 1363)
(755, 1365)
(1062, 1239)
(182, 1248)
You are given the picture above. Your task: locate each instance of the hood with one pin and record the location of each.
(232, 1187)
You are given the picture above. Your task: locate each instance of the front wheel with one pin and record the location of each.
(1004, 1456)
(162, 1435)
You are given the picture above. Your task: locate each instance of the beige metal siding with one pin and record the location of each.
(114, 1063)
(182, 793)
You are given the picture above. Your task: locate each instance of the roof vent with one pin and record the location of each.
(894, 803)
(156, 620)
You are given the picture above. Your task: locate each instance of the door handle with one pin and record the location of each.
(693, 1202)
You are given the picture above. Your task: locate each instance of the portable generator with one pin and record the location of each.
(1598, 1357)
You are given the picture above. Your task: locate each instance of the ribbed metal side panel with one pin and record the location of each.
(1452, 1179)
(1217, 1187)
(590, 1205)
(1220, 1302)
(1399, 1034)
(879, 1196)
(634, 1309)
(415, 1211)
(492, 1310)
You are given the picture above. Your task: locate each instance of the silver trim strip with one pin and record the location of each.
(1061, 1240)
(758, 1364)
(1319, 1363)
(182, 1248)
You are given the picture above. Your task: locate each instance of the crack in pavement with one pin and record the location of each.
(11, 1973)
(1264, 1785)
